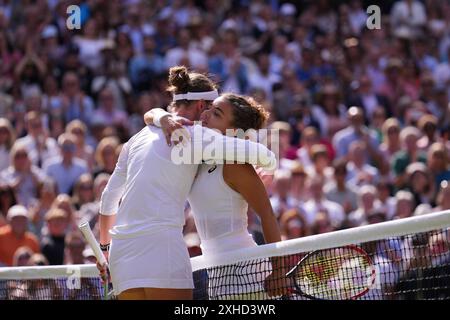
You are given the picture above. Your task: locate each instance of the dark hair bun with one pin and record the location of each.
(179, 79)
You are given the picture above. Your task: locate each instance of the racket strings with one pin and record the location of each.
(339, 273)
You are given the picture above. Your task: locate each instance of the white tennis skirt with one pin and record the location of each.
(157, 260)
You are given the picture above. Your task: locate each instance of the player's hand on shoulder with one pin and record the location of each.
(174, 130)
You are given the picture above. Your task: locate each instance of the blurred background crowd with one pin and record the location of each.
(363, 114)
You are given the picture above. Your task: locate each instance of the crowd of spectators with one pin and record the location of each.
(363, 114)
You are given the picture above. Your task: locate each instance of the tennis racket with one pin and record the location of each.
(87, 232)
(333, 274)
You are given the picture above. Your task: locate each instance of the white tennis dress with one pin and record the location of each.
(148, 249)
(220, 215)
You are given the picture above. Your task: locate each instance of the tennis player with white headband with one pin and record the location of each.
(148, 258)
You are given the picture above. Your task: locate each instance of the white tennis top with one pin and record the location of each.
(220, 213)
(152, 187)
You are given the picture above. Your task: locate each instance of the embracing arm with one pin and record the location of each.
(154, 116)
(232, 149)
(167, 122)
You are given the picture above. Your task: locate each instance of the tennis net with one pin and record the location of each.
(406, 259)
(395, 260)
(67, 282)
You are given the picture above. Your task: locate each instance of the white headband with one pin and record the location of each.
(206, 95)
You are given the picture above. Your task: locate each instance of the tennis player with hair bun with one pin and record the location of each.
(220, 197)
(148, 258)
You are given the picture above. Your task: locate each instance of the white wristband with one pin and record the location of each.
(159, 116)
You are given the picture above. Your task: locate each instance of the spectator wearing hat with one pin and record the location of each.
(420, 183)
(52, 244)
(66, 169)
(404, 204)
(293, 225)
(15, 235)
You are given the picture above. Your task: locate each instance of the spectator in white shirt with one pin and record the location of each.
(66, 170)
(23, 176)
(264, 78)
(318, 203)
(282, 201)
(408, 17)
(367, 202)
(107, 112)
(184, 54)
(40, 146)
(359, 171)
